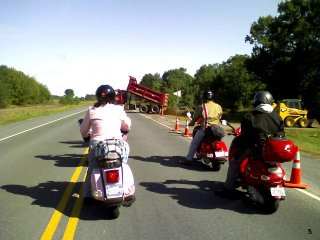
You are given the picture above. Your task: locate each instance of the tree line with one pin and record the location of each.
(285, 60)
(16, 88)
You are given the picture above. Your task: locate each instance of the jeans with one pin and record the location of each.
(234, 167)
(92, 163)
(195, 143)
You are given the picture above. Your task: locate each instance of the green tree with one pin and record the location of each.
(207, 77)
(44, 93)
(152, 81)
(69, 98)
(90, 97)
(20, 89)
(69, 93)
(235, 85)
(286, 50)
(4, 94)
(179, 80)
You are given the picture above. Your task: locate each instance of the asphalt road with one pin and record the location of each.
(42, 170)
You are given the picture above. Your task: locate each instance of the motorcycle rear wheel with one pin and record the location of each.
(272, 205)
(215, 166)
(262, 196)
(113, 211)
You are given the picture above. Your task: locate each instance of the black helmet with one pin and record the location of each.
(262, 97)
(105, 94)
(207, 95)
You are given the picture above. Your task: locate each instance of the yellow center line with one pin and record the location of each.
(74, 218)
(56, 217)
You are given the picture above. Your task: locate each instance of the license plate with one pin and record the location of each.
(277, 192)
(220, 154)
(114, 190)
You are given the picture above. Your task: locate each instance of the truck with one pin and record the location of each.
(154, 101)
(290, 110)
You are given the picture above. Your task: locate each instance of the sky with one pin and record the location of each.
(82, 44)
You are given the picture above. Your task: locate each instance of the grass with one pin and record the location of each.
(16, 114)
(308, 139)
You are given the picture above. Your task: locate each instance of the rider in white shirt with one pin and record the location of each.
(106, 120)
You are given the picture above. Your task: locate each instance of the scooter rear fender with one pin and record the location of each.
(215, 151)
(257, 173)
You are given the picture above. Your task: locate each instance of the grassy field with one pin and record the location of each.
(308, 139)
(15, 114)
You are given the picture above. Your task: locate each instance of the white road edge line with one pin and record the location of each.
(155, 121)
(301, 190)
(40, 125)
(309, 194)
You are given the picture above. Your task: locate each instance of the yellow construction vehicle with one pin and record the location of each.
(292, 113)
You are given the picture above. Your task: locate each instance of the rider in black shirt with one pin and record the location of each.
(255, 126)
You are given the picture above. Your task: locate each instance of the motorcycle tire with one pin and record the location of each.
(215, 166)
(272, 205)
(113, 211)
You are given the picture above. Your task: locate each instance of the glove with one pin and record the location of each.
(86, 139)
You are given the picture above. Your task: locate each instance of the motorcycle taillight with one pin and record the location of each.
(220, 146)
(112, 176)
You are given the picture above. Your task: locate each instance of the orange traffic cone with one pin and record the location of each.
(177, 126)
(186, 130)
(295, 178)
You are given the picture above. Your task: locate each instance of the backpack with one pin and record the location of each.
(215, 132)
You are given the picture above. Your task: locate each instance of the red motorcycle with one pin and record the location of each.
(262, 174)
(212, 151)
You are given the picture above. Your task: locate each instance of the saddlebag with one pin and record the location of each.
(215, 132)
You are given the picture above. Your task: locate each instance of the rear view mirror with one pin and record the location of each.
(224, 122)
(80, 122)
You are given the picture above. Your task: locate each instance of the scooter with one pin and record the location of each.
(112, 182)
(212, 151)
(261, 174)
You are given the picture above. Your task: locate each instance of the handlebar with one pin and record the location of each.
(235, 132)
